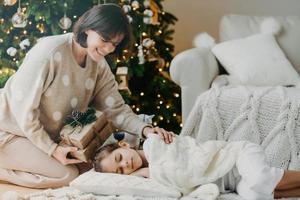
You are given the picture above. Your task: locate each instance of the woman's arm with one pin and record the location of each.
(23, 92)
(107, 99)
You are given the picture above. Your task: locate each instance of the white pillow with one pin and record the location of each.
(117, 184)
(256, 60)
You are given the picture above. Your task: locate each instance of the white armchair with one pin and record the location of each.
(195, 69)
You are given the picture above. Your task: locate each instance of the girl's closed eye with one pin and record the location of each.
(118, 157)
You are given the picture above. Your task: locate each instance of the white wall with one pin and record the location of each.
(195, 16)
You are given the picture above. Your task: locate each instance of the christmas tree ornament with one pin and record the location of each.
(154, 7)
(24, 43)
(9, 2)
(65, 22)
(135, 5)
(147, 20)
(129, 18)
(161, 63)
(141, 54)
(19, 19)
(147, 42)
(148, 16)
(122, 74)
(148, 13)
(12, 51)
(151, 55)
(126, 8)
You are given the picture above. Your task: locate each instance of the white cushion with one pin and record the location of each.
(241, 26)
(256, 60)
(117, 184)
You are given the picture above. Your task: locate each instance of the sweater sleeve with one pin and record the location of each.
(109, 100)
(24, 90)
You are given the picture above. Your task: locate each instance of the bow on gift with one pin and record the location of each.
(81, 119)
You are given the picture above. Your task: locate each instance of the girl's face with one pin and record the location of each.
(123, 160)
(98, 47)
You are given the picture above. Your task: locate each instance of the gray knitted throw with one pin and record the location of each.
(268, 116)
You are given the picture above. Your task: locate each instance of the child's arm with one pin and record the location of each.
(144, 172)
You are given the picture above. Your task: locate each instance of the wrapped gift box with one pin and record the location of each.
(81, 136)
(104, 133)
(88, 153)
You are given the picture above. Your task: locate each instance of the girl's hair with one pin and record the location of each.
(108, 20)
(102, 153)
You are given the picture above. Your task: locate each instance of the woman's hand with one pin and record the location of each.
(61, 152)
(167, 136)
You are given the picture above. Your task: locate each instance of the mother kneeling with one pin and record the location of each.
(60, 74)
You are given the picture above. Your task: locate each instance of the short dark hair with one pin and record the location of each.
(109, 20)
(102, 153)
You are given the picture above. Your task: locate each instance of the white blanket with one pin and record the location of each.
(186, 164)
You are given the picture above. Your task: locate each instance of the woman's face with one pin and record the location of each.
(98, 47)
(123, 160)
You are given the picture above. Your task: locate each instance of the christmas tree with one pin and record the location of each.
(143, 76)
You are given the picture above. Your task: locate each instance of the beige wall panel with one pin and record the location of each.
(195, 16)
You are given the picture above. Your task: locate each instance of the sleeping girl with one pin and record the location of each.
(182, 163)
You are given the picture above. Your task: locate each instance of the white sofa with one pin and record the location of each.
(195, 69)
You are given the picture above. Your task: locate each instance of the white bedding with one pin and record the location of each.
(185, 164)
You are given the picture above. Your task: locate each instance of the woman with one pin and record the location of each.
(60, 74)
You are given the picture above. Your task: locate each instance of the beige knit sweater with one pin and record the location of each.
(49, 85)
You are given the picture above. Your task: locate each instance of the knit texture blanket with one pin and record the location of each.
(268, 116)
(185, 164)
